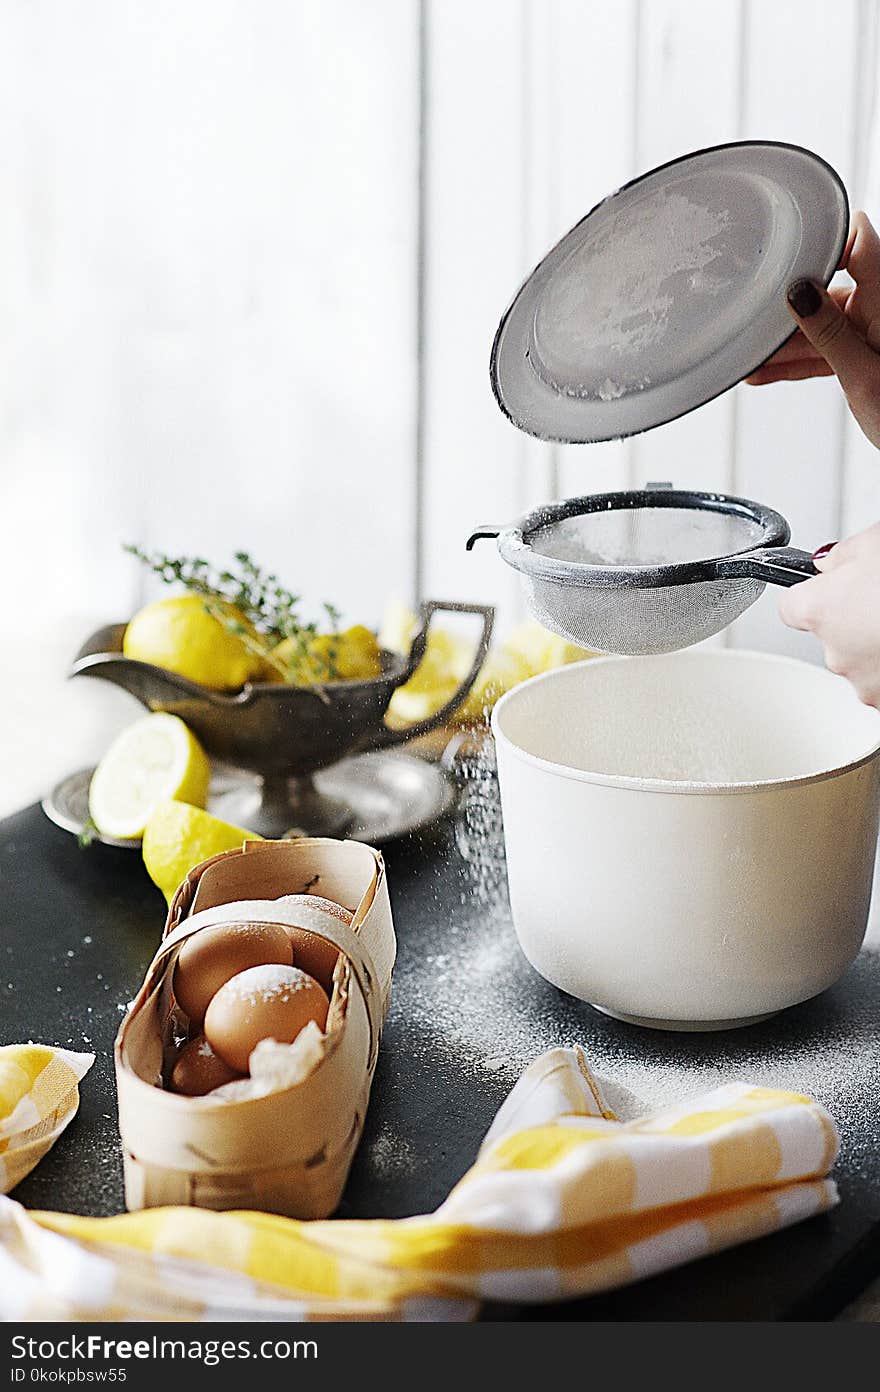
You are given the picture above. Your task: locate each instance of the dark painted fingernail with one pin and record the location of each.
(804, 298)
(824, 550)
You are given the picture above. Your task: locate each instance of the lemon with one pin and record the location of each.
(180, 635)
(446, 662)
(433, 682)
(445, 650)
(285, 656)
(528, 650)
(153, 759)
(352, 655)
(540, 650)
(178, 837)
(399, 626)
(409, 703)
(500, 672)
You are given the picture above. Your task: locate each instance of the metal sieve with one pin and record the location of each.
(647, 571)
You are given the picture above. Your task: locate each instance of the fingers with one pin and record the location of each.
(798, 346)
(822, 337)
(798, 349)
(828, 329)
(797, 371)
(863, 264)
(796, 607)
(840, 607)
(795, 347)
(822, 558)
(863, 545)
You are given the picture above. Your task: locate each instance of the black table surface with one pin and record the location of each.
(78, 928)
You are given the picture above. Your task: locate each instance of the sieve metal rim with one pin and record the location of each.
(515, 548)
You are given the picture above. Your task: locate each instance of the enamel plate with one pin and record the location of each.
(668, 293)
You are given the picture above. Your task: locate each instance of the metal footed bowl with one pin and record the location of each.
(285, 734)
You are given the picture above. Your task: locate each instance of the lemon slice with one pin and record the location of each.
(179, 836)
(153, 759)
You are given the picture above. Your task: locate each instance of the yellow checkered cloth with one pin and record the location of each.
(39, 1095)
(562, 1200)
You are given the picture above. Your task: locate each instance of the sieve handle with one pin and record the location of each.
(490, 531)
(778, 565)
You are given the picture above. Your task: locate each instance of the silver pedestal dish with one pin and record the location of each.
(286, 734)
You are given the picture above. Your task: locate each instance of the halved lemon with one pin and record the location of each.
(153, 759)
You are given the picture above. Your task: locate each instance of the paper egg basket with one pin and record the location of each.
(288, 1151)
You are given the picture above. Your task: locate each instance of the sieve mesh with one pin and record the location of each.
(623, 619)
(646, 536)
(635, 618)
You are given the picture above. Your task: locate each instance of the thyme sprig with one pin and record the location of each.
(88, 835)
(253, 604)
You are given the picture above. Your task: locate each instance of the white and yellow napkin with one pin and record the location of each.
(39, 1095)
(562, 1200)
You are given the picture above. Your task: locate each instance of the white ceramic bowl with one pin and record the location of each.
(690, 838)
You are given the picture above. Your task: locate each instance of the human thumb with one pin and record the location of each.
(832, 334)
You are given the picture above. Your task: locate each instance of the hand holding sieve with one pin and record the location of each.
(649, 570)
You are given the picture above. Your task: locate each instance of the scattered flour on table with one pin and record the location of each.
(391, 1155)
(475, 999)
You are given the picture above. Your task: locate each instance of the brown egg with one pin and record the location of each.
(311, 953)
(198, 1069)
(268, 1002)
(211, 957)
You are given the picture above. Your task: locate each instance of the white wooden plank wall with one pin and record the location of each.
(216, 330)
(592, 150)
(475, 170)
(207, 277)
(208, 272)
